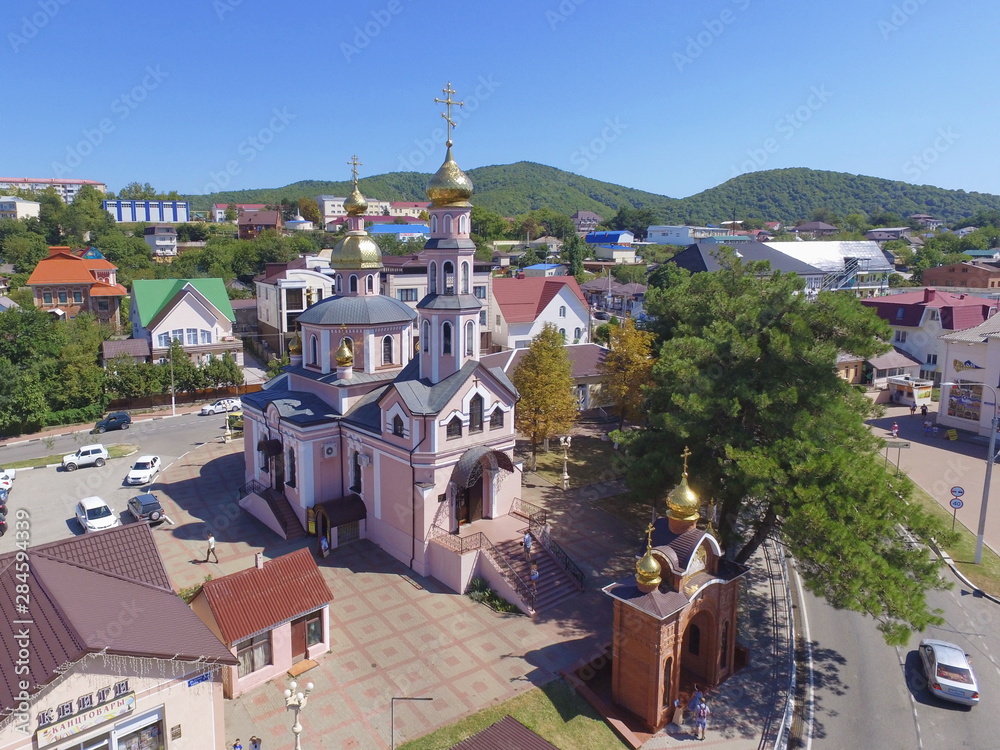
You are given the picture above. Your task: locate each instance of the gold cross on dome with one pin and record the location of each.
(685, 455)
(649, 536)
(354, 164)
(448, 102)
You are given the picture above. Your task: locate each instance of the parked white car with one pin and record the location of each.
(96, 515)
(7, 478)
(222, 405)
(143, 470)
(86, 455)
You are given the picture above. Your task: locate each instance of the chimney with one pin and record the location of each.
(929, 294)
(258, 561)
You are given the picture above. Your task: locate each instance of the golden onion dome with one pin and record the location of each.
(682, 502)
(357, 251)
(355, 204)
(647, 572)
(344, 355)
(449, 186)
(295, 345)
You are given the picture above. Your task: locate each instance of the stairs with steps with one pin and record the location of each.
(553, 585)
(286, 516)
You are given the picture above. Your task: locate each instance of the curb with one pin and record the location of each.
(954, 569)
(87, 432)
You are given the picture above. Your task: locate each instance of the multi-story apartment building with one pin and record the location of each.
(66, 188)
(284, 291)
(18, 208)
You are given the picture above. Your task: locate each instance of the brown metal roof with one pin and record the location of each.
(257, 599)
(506, 733)
(104, 592)
(131, 347)
(343, 510)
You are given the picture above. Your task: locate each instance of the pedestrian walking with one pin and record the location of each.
(927, 427)
(534, 577)
(934, 430)
(255, 743)
(913, 410)
(696, 699)
(923, 410)
(895, 430)
(701, 720)
(527, 546)
(211, 553)
(237, 745)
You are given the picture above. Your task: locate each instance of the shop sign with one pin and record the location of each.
(61, 722)
(966, 365)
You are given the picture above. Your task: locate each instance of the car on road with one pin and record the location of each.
(7, 478)
(143, 471)
(222, 405)
(146, 507)
(3, 501)
(116, 420)
(949, 674)
(96, 515)
(602, 315)
(86, 455)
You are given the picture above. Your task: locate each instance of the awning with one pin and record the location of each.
(897, 358)
(270, 447)
(469, 467)
(343, 510)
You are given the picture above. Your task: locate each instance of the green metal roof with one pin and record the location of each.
(152, 294)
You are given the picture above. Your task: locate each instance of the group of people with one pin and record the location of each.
(254, 743)
(699, 710)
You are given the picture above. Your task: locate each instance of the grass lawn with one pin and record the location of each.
(987, 575)
(553, 711)
(114, 451)
(590, 460)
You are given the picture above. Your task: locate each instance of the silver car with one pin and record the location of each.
(949, 674)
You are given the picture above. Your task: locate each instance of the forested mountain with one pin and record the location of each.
(776, 194)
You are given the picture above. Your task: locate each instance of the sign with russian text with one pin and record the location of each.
(86, 719)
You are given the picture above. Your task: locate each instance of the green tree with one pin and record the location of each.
(746, 377)
(856, 222)
(488, 225)
(22, 401)
(179, 370)
(135, 191)
(223, 372)
(544, 381)
(573, 250)
(24, 251)
(626, 369)
(126, 378)
(629, 274)
(635, 220)
(232, 214)
(309, 210)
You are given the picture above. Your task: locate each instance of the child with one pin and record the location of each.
(701, 720)
(895, 429)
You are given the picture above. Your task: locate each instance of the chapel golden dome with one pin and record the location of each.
(682, 502)
(295, 345)
(357, 251)
(344, 355)
(647, 572)
(449, 186)
(355, 204)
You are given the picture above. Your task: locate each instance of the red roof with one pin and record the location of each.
(958, 311)
(62, 267)
(410, 204)
(523, 300)
(257, 599)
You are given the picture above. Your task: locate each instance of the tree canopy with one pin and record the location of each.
(626, 369)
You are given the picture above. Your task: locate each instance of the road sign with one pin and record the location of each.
(957, 491)
(897, 444)
(956, 503)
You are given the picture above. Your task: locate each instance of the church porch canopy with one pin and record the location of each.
(469, 468)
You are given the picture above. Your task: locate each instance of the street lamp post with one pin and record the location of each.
(296, 701)
(173, 402)
(392, 717)
(990, 458)
(565, 443)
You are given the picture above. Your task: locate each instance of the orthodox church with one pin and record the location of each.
(382, 429)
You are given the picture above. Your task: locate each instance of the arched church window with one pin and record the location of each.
(434, 223)
(449, 277)
(447, 224)
(465, 278)
(290, 481)
(454, 429)
(432, 278)
(724, 645)
(356, 472)
(470, 340)
(387, 350)
(463, 224)
(496, 419)
(425, 337)
(340, 285)
(446, 338)
(354, 283)
(694, 639)
(476, 414)
(313, 350)
(370, 283)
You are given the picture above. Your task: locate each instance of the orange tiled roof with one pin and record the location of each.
(100, 289)
(62, 267)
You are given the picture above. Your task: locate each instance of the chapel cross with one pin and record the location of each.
(354, 164)
(448, 102)
(684, 455)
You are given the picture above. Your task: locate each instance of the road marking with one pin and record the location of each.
(810, 703)
(913, 700)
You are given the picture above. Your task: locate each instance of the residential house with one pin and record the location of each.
(927, 221)
(965, 231)
(545, 270)
(704, 256)
(66, 284)
(774, 226)
(18, 208)
(682, 234)
(607, 294)
(893, 364)
(524, 306)
(219, 210)
(814, 229)
(585, 222)
(251, 223)
(851, 368)
(105, 655)
(585, 365)
(162, 240)
(919, 319)
(6, 303)
(332, 207)
(621, 254)
(967, 274)
(245, 311)
(271, 616)
(136, 349)
(413, 209)
(195, 312)
(134, 210)
(283, 291)
(621, 237)
(66, 188)
(884, 234)
(971, 358)
(857, 266)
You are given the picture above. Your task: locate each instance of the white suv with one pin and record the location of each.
(86, 455)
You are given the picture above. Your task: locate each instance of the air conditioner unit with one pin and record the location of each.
(364, 460)
(329, 450)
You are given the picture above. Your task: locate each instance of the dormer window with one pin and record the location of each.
(476, 414)
(496, 419)
(397, 426)
(454, 429)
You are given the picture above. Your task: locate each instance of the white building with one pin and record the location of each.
(66, 188)
(332, 207)
(670, 234)
(524, 306)
(18, 208)
(130, 211)
(971, 358)
(409, 208)
(617, 253)
(284, 291)
(858, 266)
(162, 240)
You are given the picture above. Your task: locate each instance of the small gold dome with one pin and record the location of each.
(449, 186)
(344, 355)
(357, 251)
(295, 345)
(682, 502)
(647, 572)
(355, 204)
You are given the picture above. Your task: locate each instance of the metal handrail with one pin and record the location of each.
(479, 541)
(252, 486)
(530, 511)
(571, 569)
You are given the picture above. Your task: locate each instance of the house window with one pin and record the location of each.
(562, 311)
(46, 298)
(498, 321)
(900, 312)
(206, 337)
(102, 305)
(387, 350)
(353, 283)
(932, 359)
(900, 337)
(577, 333)
(397, 426)
(314, 628)
(496, 419)
(78, 297)
(476, 414)
(254, 653)
(192, 336)
(446, 338)
(425, 337)
(406, 295)
(177, 335)
(356, 472)
(934, 315)
(163, 340)
(454, 429)
(482, 318)
(479, 292)
(470, 342)
(313, 350)
(63, 299)
(562, 332)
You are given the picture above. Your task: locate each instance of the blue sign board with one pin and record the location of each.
(200, 678)
(956, 503)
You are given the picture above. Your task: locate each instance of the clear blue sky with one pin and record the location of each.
(671, 97)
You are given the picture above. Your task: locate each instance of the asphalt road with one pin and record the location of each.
(868, 694)
(49, 495)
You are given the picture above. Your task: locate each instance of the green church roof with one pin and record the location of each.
(152, 294)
